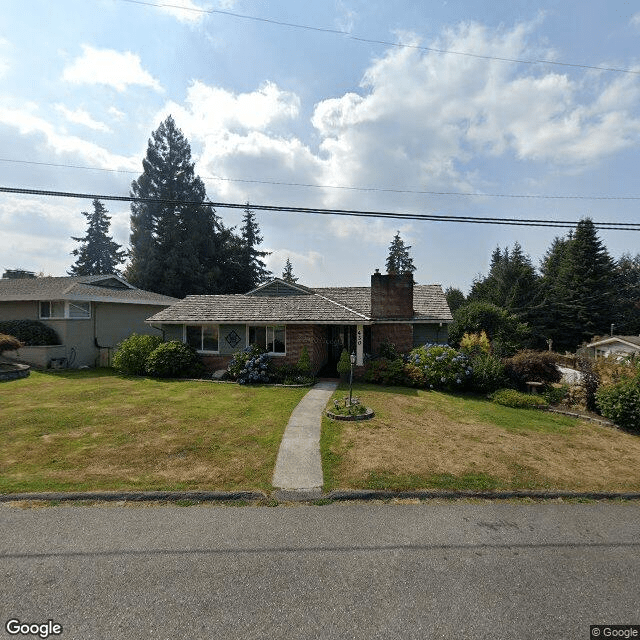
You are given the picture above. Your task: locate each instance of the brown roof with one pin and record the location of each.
(94, 288)
(323, 305)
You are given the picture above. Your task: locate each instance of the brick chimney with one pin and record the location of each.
(392, 295)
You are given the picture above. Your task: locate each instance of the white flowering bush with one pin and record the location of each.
(440, 366)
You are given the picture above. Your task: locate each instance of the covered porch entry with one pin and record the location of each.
(354, 338)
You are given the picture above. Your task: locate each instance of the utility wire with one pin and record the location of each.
(613, 226)
(462, 194)
(374, 41)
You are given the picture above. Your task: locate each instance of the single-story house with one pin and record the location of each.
(90, 314)
(616, 346)
(284, 317)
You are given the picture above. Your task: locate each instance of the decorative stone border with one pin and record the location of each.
(367, 415)
(14, 371)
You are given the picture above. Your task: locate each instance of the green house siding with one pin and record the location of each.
(430, 333)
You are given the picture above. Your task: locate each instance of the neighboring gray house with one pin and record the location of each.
(90, 314)
(283, 317)
(616, 346)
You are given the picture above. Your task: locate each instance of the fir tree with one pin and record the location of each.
(253, 268)
(627, 316)
(580, 284)
(98, 253)
(287, 273)
(399, 260)
(176, 249)
(455, 298)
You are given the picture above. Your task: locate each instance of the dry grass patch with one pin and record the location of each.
(425, 439)
(94, 430)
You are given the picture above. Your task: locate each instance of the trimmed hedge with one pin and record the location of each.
(32, 333)
(516, 400)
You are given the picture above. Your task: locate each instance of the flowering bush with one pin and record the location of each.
(250, 366)
(442, 366)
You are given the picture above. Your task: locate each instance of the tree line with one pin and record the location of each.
(579, 292)
(175, 249)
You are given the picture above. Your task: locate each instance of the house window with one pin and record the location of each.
(203, 337)
(272, 338)
(60, 309)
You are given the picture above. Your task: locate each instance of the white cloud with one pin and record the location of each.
(116, 113)
(185, 11)
(80, 116)
(109, 67)
(214, 111)
(635, 20)
(28, 123)
(422, 118)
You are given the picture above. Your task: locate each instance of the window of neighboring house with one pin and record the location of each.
(272, 338)
(59, 309)
(203, 337)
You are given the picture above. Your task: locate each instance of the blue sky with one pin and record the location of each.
(86, 82)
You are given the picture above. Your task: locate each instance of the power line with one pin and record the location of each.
(612, 226)
(387, 43)
(477, 194)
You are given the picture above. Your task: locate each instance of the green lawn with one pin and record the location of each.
(96, 430)
(433, 440)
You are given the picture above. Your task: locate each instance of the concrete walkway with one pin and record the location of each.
(298, 472)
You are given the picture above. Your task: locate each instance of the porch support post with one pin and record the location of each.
(359, 345)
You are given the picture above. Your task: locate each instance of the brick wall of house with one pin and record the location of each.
(399, 334)
(392, 295)
(313, 336)
(214, 363)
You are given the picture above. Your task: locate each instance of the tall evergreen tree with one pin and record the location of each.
(254, 270)
(399, 260)
(98, 253)
(287, 273)
(582, 281)
(455, 298)
(627, 316)
(175, 248)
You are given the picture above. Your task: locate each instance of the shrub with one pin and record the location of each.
(473, 344)
(386, 372)
(131, 355)
(442, 366)
(250, 366)
(30, 332)
(534, 366)
(556, 395)
(506, 332)
(621, 403)
(487, 373)
(173, 360)
(344, 364)
(516, 399)
(388, 351)
(289, 374)
(304, 362)
(590, 381)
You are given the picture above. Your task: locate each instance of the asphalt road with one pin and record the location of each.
(338, 571)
